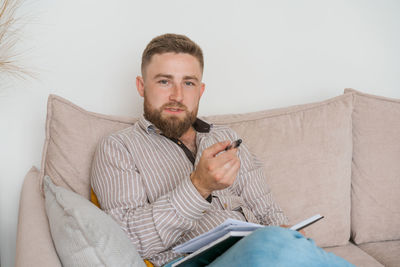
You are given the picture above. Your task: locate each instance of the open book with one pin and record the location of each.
(205, 248)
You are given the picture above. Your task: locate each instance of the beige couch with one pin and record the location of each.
(339, 158)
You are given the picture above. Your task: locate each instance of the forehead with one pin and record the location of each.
(174, 64)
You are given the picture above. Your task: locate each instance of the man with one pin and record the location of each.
(168, 178)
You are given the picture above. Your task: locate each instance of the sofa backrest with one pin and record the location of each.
(306, 151)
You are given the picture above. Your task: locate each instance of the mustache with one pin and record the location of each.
(175, 105)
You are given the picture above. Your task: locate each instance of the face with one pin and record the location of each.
(171, 87)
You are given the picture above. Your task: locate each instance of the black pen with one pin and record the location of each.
(234, 144)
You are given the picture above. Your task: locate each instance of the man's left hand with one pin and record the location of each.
(288, 226)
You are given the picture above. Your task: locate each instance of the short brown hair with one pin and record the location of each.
(170, 42)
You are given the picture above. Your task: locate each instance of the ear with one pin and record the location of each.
(203, 86)
(140, 85)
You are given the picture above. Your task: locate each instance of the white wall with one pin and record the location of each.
(258, 55)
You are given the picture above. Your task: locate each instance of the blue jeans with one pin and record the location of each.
(278, 247)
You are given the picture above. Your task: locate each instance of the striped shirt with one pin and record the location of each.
(142, 179)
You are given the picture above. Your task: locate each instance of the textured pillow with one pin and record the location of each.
(375, 211)
(83, 234)
(306, 151)
(72, 135)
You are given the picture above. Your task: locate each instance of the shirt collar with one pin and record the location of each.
(199, 125)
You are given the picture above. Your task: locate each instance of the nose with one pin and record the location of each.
(176, 93)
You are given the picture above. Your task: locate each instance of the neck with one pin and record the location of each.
(189, 135)
(189, 139)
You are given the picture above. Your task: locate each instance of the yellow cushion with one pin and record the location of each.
(93, 198)
(148, 264)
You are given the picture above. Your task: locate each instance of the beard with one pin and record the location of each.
(171, 126)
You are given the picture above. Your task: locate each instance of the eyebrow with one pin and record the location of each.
(161, 75)
(169, 76)
(191, 78)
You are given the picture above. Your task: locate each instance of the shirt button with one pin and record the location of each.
(226, 205)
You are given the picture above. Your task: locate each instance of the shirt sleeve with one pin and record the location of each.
(255, 191)
(152, 227)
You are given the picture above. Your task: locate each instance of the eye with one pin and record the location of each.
(163, 82)
(189, 83)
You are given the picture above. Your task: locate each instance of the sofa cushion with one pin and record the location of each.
(386, 252)
(72, 134)
(306, 151)
(83, 234)
(375, 209)
(354, 255)
(34, 244)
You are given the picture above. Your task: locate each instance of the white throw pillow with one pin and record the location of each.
(83, 234)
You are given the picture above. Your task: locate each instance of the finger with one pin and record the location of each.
(230, 165)
(224, 157)
(233, 151)
(213, 150)
(235, 166)
(231, 169)
(303, 232)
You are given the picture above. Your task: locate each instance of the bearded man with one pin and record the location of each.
(168, 178)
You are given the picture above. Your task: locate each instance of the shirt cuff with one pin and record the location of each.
(188, 202)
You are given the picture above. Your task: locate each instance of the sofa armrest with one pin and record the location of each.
(34, 243)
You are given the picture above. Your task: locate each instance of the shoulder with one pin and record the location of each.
(223, 132)
(120, 138)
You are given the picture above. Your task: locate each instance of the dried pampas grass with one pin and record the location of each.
(9, 36)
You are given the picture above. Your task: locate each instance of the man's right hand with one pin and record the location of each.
(215, 172)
